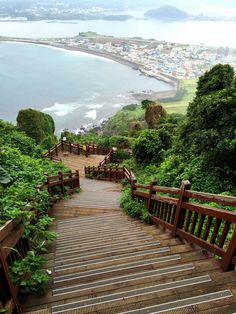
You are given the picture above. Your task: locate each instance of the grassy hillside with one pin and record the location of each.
(121, 122)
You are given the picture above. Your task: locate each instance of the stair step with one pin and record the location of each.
(113, 269)
(67, 249)
(124, 279)
(110, 260)
(94, 235)
(106, 247)
(174, 305)
(142, 293)
(95, 255)
(63, 244)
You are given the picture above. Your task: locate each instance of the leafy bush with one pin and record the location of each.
(151, 145)
(28, 274)
(35, 124)
(133, 207)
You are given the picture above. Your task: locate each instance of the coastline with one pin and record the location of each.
(108, 56)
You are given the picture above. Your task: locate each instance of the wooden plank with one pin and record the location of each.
(211, 211)
(164, 189)
(11, 240)
(210, 247)
(6, 229)
(165, 224)
(139, 193)
(165, 199)
(221, 199)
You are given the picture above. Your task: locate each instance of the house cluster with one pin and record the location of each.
(155, 57)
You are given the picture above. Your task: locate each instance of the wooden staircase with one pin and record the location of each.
(106, 262)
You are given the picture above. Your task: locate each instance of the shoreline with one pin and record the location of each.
(173, 82)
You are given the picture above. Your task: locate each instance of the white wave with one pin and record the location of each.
(92, 114)
(62, 110)
(118, 105)
(94, 106)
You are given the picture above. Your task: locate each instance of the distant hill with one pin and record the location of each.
(168, 13)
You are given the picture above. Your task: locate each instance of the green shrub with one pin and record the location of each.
(133, 207)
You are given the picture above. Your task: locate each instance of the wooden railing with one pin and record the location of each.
(115, 174)
(62, 183)
(75, 148)
(186, 213)
(107, 159)
(14, 246)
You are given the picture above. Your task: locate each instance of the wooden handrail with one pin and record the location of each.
(76, 148)
(12, 240)
(182, 211)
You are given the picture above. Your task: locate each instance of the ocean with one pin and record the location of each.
(77, 89)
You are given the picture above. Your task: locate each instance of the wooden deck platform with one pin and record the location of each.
(106, 262)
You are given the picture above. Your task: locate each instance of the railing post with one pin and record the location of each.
(93, 149)
(78, 149)
(10, 287)
(105, 171)
(78, 179)
(87, 151)
(110, 173)
(123, 175)
(56, 150)
(230, 253)
(70, 147)
(71, 180)
(151, 192)
(133, 188)
(62, 145)
(48, 183)
(61, 183)
(179, 214)
(117, 174)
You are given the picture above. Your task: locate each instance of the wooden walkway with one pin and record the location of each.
(106, 262)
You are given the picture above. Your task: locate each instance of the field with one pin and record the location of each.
(181, 106)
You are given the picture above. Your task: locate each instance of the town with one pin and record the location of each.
(153, 58)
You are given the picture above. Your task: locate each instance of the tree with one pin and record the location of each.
(151, 145)
(219, 77)
(209, 133)
(154, 115)
(36, 124)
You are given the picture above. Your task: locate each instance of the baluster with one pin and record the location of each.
(215, 232)
(61, 182)
(78, 178)
(207, 229)
(179, 222)
(230, 253)
(200, 224)
(151, 193)
(188, 219)
(169, 210)
(194, 222)
(224, 234)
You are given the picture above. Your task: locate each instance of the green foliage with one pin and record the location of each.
(146, 103)
(151, 145)
(219, 77)
(28, 273)
(22, 169)
(119, 156)
(5, 178)
(130, 107)
(12, 137)
(154, 115)
(133, 207)
(35, 124)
